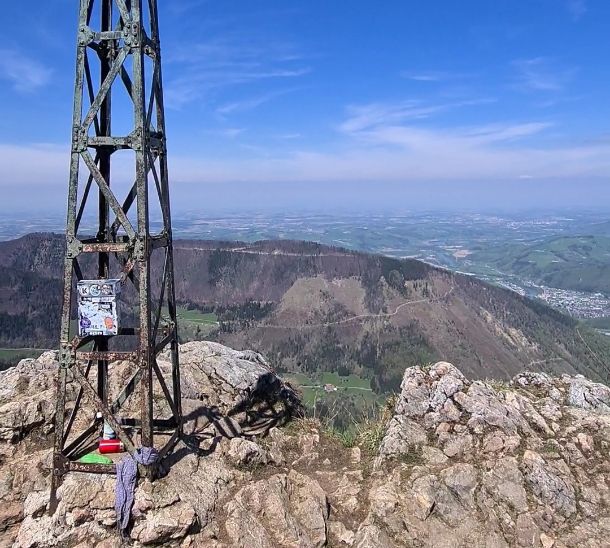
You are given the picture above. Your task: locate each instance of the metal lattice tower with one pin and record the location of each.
(118, 51)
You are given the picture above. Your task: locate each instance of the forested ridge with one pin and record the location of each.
(313, 308)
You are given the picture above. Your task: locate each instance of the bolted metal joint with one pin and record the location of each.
(152, 50)
(74, 247)
(85, 36)
(132, 34)
(79, 139)
(66, 355)
(60, 464)
(135, 140)
(140, 250)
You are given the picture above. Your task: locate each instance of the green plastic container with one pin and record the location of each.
(95, 458)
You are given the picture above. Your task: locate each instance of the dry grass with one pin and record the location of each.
(412, 457)
(366, 433)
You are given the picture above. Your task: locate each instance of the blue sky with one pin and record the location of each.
(342, 103)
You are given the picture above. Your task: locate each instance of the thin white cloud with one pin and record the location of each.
(376, 142)
(250, 103)
(400, 154)
(180, 7)
(288, 136)
(504, 132)
(424, 145)
(541, 74)
(231, 132)
(33, 163)
(362, 117)
(433, 76)
(431, 156)
(576, 8)
(196, 70)
(386, 142)
(22, 72)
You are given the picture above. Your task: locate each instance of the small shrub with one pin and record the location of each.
(301, 424)
(347, 438)
(549, 446)
(413, 457)
(370, 434)
(497, 385)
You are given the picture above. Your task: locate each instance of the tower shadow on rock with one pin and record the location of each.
(271, 403)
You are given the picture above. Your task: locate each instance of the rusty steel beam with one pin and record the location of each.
(90, 468)
(117, 46)
(84, 436)
(79, 398)
(106, 355)
(105, 247)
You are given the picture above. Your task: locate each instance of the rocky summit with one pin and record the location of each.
(452, 463)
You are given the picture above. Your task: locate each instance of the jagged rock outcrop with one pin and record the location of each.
(27, 396)
(461, 464)
(283, 510)
(524, 464)
(216, 382)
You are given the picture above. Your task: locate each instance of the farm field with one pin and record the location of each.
(20, 353)
(10, 356)
(353, 387)
(196, 316)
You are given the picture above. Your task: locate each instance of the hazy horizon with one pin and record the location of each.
(335, 106)
(226, 198)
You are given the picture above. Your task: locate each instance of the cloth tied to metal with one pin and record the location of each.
(126, 476)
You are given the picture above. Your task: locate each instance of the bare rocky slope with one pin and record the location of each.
(312, 308)
(453, 463)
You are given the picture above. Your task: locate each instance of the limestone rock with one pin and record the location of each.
(227, 378)
(525, 450)
(285, 510)
(506, 483)
(433, 456)
(548, 483)
(402, 434)
(371, 536)
(244, 452)
(588, 395)
(461, 479)
(165, 524)
(27, 396)
(36, 504)
(469, 464)
(340, 534)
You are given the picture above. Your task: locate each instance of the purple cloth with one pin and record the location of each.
(126, 475)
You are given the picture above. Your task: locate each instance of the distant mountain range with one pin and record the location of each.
(312, 308)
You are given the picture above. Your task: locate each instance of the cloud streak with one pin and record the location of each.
(576, 8)
(197, 70)
(541, 74)
(250, 103)
(433, 76)
(430, 156)
(362, 117)
(22, 72)
(389, 153)
(376, 142)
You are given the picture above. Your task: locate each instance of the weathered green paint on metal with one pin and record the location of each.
(121, 36)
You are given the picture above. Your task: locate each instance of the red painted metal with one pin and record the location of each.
(111, 446)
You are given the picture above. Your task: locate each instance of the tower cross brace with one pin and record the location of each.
(118, 49)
